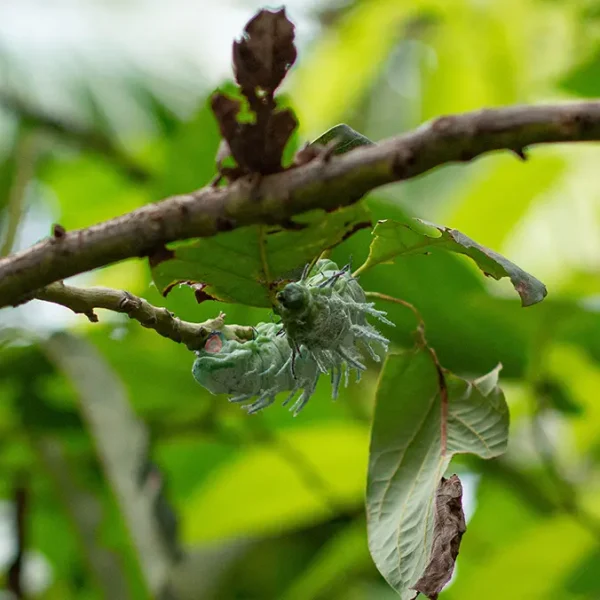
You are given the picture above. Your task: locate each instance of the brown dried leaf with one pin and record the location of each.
(255, 147)
(261, 59)
(280, 127)
(448, 529)
(265, 53)
(226, 111)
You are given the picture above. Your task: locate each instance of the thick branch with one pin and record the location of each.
(326, 184)
(85, 300)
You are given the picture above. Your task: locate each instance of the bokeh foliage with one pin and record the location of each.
(271, 506)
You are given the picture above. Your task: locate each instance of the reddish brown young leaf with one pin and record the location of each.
(226, 111)
(261, 60)
(280, 127)
(265, 53)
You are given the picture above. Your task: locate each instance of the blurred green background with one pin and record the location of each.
(102, 109)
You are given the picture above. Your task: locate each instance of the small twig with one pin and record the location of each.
(15, 571)
(25, 159)
(440, 370)
(86, 300)
(411, 307)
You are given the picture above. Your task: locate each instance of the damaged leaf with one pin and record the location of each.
(261, 60)
(255, 147)
(423, 416)
(448, 528)
(245, 265)
(414, 236)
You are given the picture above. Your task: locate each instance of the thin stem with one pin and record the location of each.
(86, 300)
(411, 307)
(262, 248)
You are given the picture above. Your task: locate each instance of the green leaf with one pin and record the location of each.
(394, 238)
(85, 512)
(108, 191)
(122, 444)
(348, 56)
(539, 562)
(510, 188)
(411, 447)
(553, 392)
(345, 552)
(189, 153)
(263, 492)
(241, 266)
(347, 138)
(584, 79)
(8, 167)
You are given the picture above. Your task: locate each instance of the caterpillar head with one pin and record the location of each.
(294, 297)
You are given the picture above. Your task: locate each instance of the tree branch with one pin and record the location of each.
(85, 300)
(327, 184)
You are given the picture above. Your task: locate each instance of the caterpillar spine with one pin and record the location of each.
(323, 329)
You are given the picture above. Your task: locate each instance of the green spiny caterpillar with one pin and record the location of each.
(324, 329)
(325, 313)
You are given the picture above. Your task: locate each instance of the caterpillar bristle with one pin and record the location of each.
(323, 330)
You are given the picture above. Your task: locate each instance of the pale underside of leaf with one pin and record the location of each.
(407, 460)
(393, 239)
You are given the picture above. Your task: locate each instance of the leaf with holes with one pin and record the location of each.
(402, 238)
(421, 420)
(261, 59)
(245, 265)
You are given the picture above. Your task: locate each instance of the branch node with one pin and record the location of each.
(328, 151)
(402, 160)
(129, 303)
(306, 154)
(223, 224)
(91, 315)
(443, 124)
(520, 153)
(216, 180)
(254, 179)
(58, 231)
